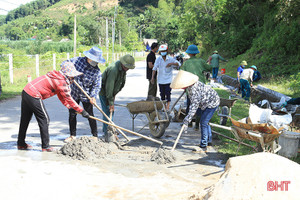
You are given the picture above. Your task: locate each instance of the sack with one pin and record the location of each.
(256, 76)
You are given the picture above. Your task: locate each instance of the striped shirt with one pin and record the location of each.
(202, 96)
(90, 81)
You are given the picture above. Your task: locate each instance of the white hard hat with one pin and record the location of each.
(163, 47)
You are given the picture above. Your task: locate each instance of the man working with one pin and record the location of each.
(113, 80)
(196, 66)
(91, 83)
(214, 62)
(152, 90)
(240, 70)
(44, 87)
(246, 79)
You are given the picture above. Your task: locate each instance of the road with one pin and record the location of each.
(42, 175)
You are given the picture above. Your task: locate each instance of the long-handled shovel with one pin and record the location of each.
(129, 131)
(82, 90)
(181, 130)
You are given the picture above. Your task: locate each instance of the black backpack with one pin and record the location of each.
(256, 76)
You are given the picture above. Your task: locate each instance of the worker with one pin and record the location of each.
(214, 61)
(202, 96)
(113, 80)
(246, 79)
(152, 89)
(196, 66)
(164, 65)
(90, 82)
(239, 71)
(292, 101)
(44, 87)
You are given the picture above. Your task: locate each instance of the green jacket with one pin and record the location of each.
(215, 60)
(113, 80)
(196, 66)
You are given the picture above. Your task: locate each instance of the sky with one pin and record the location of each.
(7, 5)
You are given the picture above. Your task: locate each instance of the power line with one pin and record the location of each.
(4, 9)
(9, 2)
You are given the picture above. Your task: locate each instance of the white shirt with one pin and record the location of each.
(164, 74)
(247, 74)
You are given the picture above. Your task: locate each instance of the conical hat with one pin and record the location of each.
(183, 79)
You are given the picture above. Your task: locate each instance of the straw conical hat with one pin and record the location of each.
(183, 79)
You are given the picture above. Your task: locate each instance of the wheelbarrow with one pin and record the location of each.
(224, 109)
(155, 111)
(264, 135)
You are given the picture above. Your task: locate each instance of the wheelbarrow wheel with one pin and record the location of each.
(157, 129)
(225, 111)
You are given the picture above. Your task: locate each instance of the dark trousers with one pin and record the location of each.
(30, 106)
(215, 71)
(246, 89)
(152, 89)
(165, 92)
(73, 120)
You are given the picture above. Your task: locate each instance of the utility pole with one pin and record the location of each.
(140, 34)
(120, 38)
(107, 42)
(75, 36)
(113, 32)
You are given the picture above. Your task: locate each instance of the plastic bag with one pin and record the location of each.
(259, 115)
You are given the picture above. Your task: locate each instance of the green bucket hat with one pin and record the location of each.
(215, 51)
(244, 62)
(128, 61)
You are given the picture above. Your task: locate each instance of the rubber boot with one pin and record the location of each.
(197, 122)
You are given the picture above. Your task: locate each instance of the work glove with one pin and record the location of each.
(85, 114)
(185, 128)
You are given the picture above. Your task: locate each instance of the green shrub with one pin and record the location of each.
(295, 83)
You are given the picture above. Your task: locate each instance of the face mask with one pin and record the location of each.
(163, 53)
(93, 63)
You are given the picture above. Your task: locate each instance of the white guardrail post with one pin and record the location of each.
(37, 65)
(11, 72)
(54, 61)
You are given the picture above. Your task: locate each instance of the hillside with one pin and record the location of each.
(265, 33)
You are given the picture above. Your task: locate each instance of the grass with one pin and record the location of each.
(28, 68)
(279, 84)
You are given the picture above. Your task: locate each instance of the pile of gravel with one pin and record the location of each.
(162, 156)
(86, 148)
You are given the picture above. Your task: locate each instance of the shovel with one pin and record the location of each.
(109, 119)
(129, 131)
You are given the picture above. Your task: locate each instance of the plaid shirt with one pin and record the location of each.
(90, 81)
(202, 96)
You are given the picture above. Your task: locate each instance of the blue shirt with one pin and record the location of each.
(240, 69)
(90, 81)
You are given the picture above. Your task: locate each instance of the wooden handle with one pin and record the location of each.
(176, 141)
(109, 119)
(129, 131)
